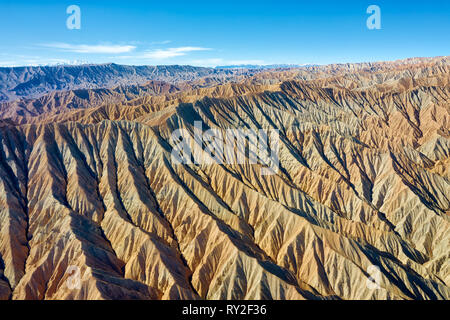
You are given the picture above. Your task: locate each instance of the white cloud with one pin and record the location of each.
(170, 52)
(244, 62)
(21, 61)
(84, 48)
(214, 62)
(8, 64)
(160, 42)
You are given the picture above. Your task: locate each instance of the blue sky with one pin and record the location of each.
(211, 33)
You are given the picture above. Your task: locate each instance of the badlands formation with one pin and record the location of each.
(363, 187)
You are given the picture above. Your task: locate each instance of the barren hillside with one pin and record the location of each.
(87, 179)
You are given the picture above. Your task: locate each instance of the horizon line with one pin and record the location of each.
(237, 66)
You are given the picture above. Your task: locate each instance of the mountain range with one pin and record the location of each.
(358, 209)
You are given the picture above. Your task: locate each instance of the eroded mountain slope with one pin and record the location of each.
(363, 181)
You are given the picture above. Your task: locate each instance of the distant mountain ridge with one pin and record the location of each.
(269, 66)
(32, 82)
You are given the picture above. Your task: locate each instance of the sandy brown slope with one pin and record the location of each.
(62, 101)
(363, 181)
